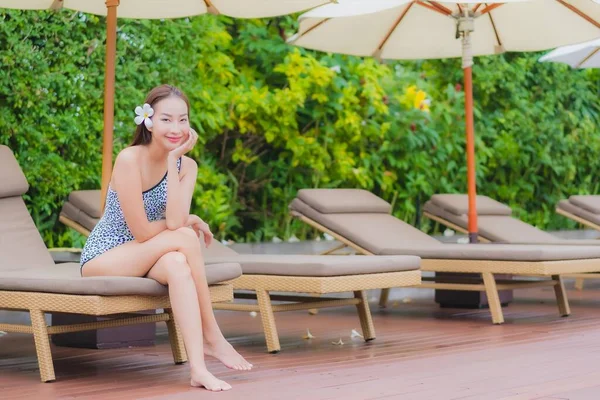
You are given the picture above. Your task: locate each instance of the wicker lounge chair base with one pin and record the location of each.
(119, 309)
(367, 218)
(262, 285)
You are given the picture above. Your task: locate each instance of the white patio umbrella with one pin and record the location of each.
(153, 9)
(425, 29)
(582, 55)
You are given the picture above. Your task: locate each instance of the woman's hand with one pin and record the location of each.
(186, 146)
(199, 226)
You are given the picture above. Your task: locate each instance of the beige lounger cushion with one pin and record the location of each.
(20, 241)
(319, 266)
(13, 181)
(458, 204)
(75, 214)
(83, 207)
(66, 279)
(498, 228)
(571, 208)
(387, 235)
(329, 201)
(493, 225)
(589, 203)
(88, 201)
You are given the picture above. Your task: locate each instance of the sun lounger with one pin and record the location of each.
(81, 211)
(496, 224)
(311, 275)
(584, 209)
(30, 281)
(362, 221)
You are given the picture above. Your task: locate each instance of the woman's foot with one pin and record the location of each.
(208, 381)
(224, 352)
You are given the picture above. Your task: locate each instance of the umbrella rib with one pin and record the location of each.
(489, 8)
(56, 5)
(579, 64)
(211, 7)
(444, 10)
(477, 7)
(495, 30)
(580, 13)
(393, 28)
(312, 28)
(432, 8)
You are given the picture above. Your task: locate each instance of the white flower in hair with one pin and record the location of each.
(143, 114)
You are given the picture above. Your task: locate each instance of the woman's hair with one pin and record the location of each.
(142, 135)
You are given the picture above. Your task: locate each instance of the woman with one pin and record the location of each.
(145, 228)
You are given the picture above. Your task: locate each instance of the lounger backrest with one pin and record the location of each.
(359, 216)
(21, 245)
(590, 203)
(572, 207)
(494, 219)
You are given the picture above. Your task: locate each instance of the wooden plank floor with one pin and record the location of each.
(421, 352)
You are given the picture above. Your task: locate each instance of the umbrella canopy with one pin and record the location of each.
(153, 9)
(148, 9)
(426, 29)
(582, 55)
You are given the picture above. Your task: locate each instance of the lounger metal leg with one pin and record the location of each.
(493, 299)
(364, 314)
(561, 296)
(176, 339)
(332, 250)
(268, 320)
(383, 297)
(42, 345)
(579, 283)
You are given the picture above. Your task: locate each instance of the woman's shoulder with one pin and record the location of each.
(129, 153)
(128, 157)
(188, 164)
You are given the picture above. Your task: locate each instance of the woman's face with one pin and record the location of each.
(171, 126)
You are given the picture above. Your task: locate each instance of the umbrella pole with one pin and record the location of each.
(467, 63)
(109, 96)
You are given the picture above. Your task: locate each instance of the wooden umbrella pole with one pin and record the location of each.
(470, 131)
(109, 96)
(466, 27)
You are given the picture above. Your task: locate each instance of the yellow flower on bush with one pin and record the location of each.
(415, 98)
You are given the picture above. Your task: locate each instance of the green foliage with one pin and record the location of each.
(274, 118)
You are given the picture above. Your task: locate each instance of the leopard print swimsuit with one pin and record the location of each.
(112, 230)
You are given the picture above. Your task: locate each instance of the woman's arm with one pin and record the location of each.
(180, 189)
(127, 182)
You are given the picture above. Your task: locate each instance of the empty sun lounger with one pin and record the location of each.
(29, 280)
(361, 220)
(319, 275)
(81, 211)
(584, 209)
(496, 224)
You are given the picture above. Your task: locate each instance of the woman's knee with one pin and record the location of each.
(176, 265)
(188, 239)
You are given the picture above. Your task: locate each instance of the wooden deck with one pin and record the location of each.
(421, 352)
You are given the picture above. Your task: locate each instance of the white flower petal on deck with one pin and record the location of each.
(253, 314)
(355, 333)
(407, 300)
(308, 335)
(338, 343)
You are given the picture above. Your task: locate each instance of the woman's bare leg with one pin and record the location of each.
(173, 270)
(136, 259)
(215, 344)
